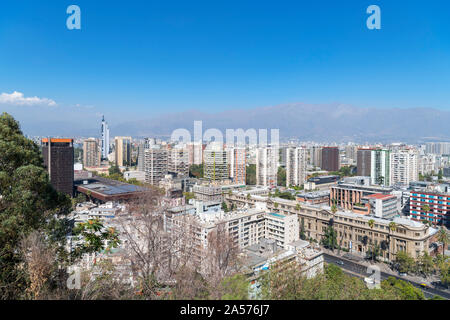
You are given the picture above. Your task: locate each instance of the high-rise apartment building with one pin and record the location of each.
(315, 156)
(380, 167)
(105, 139)
(267, 166)
(178, 161)
(156, 165)
(215, 165)
(144, 145)
(123, 151)
(363, 162)
(195, 153)
(330, 158)
(91, 153)
(295, 166)
(58, 159)
(237, 164)
(404, 167)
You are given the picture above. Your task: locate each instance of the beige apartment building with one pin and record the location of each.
(91, 153)
(353, 229)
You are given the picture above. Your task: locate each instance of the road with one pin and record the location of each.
(357, 269)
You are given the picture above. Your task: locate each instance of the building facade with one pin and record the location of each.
(156, 165)
(296, 166)
(58, 159)
(91, 153)
(330, 159)
(267, 166)
(123, 151)
(380, 167)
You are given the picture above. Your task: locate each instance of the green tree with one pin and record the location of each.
(196, 171)
(28, 202)
(224, 206)
(392, 229)
(250, 175)
(371, 223)
(114, 170)
(426, 264)
(234, 287)
(329, 239)
(281, 176)
(405, 263)
(93, 236)
(444, 238)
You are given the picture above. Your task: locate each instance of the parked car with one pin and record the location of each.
(369, 280)
(424, 285)
(340, 262)
(402, 274)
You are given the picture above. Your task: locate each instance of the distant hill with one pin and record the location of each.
(326, 122)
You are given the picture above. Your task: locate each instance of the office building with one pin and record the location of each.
(58, 160)
(295, 166)
(195, 153)
(330, 159)
(123, 151)
(91, 153)
(105, 139)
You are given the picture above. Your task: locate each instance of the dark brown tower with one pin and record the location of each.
(58, 159)
(330, 158)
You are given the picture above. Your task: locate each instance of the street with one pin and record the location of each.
(359, 270)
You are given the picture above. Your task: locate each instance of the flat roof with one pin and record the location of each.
(380, 196)
(108, 187)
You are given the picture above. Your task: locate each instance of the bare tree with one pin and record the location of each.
(155, 250)
(40, 263)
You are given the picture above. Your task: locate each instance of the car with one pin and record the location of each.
(424, 285)
(402, 274)
(369, 280)
(340, 262)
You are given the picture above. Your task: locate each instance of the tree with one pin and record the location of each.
(405, 263)
(426, 264)
(234, 287)
(93, 236)
(250, 174)
(329, 239)
(426, 209)
(302, 229)
(281, 176)
(444, 238)
(114, 170)
(392, 228)
(333, 209)
(28, 203)
(371, 223)
(225, 207)
(196, 171)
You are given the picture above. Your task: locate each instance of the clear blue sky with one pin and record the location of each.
(149, 57)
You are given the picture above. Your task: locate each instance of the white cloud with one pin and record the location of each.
(18, 99)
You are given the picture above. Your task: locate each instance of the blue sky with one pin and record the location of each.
(138, 59)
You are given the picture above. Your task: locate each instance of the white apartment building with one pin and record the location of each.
(404, 166)
(380, 167)
(156, 165)
(237, 164)
(267, 166)
(296, 159)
